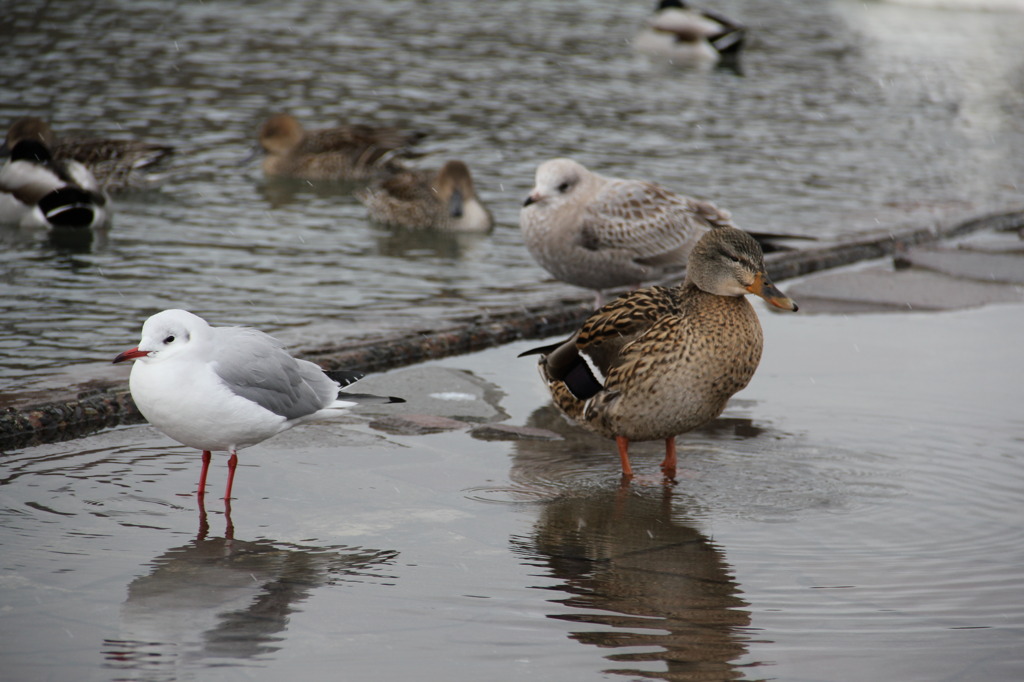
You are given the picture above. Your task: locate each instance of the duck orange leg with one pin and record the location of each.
(202, 474)
(623, 443)
(668, 465)
(232, 463)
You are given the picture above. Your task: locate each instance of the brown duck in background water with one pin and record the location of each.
(670, 357)
(428, 200)
(349, 152)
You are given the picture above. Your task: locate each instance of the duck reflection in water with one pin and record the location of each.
(224, 598)
(637, 574)
(633, 569)
(400, 242)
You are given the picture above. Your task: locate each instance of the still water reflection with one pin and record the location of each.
(226, 598)
(655, 588)
(631, 557)
(846, 116)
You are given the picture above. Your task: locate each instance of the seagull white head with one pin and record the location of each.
(558, 178)
(167, 335)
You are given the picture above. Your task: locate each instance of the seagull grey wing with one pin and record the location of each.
(254, 366)
(657, 226)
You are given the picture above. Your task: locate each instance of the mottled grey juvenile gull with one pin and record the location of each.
(226, 388)
(599, 233)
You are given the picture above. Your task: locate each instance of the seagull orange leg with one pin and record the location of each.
(623, 443)
(668, 465)
(232, 463)
(202, 474)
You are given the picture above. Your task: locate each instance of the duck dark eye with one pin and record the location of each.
(169, 339)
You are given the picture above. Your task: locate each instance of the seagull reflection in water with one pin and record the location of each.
(224, 598)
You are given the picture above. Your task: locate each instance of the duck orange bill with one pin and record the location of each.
(130, 354)
(763, 287)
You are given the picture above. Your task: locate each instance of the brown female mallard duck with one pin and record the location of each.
(669, 357)
(348, 152)
(428, 200)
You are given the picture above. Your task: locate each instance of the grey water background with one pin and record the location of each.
(847, 116)
(855, 514)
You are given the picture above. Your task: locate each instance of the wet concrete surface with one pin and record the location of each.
(972, 271)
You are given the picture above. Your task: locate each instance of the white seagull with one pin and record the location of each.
(226, 388)
(600, 233)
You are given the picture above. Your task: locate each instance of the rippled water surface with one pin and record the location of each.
(855, 515)
(846, 116)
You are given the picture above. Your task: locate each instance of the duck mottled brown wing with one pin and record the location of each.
(353, 137)
(409, 186)
(608, 329)
(405, 199)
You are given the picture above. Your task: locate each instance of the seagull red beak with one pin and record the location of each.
(130, 354)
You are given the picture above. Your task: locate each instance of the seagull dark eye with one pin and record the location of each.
(169, 339)
(564, 187)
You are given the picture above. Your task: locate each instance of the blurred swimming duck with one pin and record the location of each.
(690, 36)
(38, 191)
(421, 199)
(349, 152)
(668, 358)
(116, 164)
